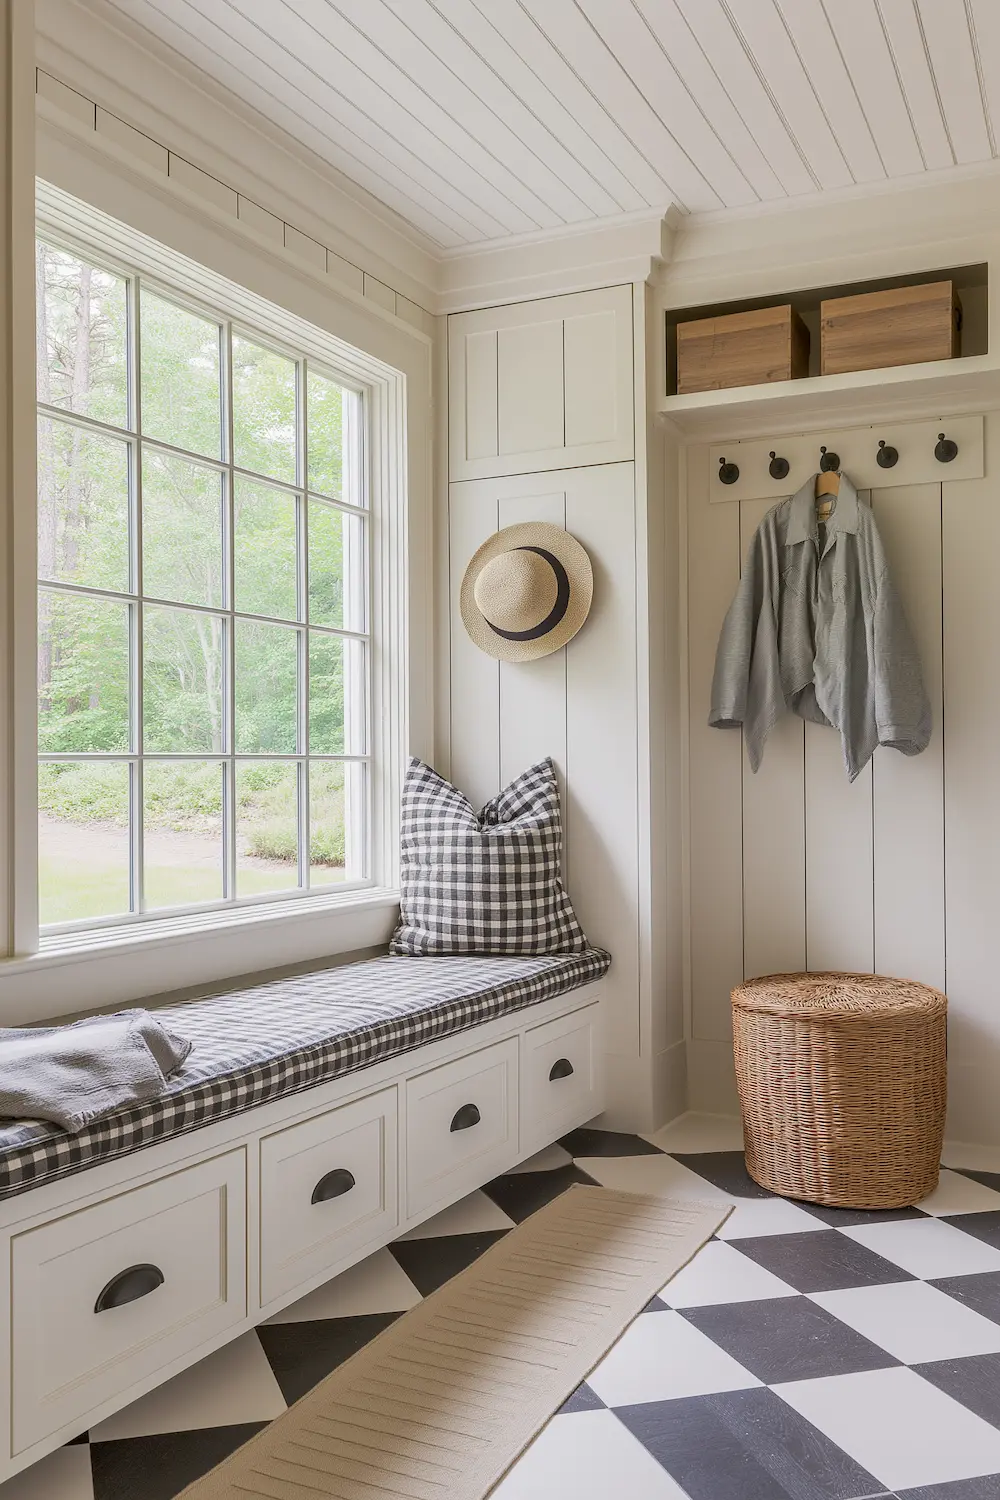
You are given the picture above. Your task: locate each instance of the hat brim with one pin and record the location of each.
(574, 559)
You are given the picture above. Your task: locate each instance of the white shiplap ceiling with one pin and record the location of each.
(478, 120)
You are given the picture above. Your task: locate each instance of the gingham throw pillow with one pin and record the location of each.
(486, 882)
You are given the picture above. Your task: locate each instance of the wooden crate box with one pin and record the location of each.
(874, 330)
(744, 348)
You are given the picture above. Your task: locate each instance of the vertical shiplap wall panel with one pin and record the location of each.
(533, 694)
(475, 677)
(971, 547)
(591, 378)
(715, 765)
(909, 791)
(530, 387)
(602, 739)
(480, 408)
(774, 884)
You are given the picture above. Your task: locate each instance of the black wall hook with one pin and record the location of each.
(886, 457)
(945, 449)
(828, 461)
(778, 467)
(728, 473)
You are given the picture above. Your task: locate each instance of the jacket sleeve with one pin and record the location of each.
(746, 687)
(902, 708)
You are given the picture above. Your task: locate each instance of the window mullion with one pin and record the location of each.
(137, 811)
(305, 788)
(229, 656)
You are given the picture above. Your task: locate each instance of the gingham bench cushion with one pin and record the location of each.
(257, 1044)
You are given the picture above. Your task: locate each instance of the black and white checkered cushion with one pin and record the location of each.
(287, 1035)
(486, 882)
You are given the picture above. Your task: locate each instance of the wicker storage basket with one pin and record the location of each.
(842, 1081)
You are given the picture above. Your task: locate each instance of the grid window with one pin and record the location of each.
(204, 660)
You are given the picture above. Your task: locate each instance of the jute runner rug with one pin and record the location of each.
(440, 1405)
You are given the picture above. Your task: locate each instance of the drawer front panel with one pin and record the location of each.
(327, 1188)
(461, 1125)
(105, 1297)
(560, 1077)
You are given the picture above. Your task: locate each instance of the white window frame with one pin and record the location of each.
(77, 226)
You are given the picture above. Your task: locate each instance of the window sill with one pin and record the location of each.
(115, 965)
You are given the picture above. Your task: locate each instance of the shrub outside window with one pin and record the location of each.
(204, 653)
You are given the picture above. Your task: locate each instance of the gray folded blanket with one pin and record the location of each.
(74, 1074)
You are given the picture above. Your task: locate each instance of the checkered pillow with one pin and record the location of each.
(487, 882)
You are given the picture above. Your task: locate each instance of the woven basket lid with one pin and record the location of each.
(838, 994)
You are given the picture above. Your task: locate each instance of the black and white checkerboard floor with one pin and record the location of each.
(806, 1354)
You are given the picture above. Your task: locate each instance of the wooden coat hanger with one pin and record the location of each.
(827, 483)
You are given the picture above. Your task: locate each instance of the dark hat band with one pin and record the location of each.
(557, 611)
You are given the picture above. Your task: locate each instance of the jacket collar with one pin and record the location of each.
(802, 523)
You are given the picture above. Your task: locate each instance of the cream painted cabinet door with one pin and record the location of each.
(541, 385)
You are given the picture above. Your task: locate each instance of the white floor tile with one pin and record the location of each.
(472, 1215)
(375, 1285)
(662, 1356)
(545, 1160)
(651, 1174)
(927, 1248)
(956, 1194)
(64, 1475)
(587, 1455)
(719, 1273)
(897, 1426)
(753, 1216)
(696, 1132)
(913, 1321)
(235, 1384)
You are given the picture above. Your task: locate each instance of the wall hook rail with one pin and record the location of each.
(945, 449)
(887, 456)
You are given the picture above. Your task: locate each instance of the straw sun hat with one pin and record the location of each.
(527, 591)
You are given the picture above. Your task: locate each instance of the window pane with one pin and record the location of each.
(266, 688)
(83, 846)
(82, 321)
(264, 437)
(325, 417)
(327, 823)
(336, 567)
(267, 827)
(180, 390)
(265, 561)
(83, 653)
(83, 513)
(182, 834)
(182, 680)
(181, 530)
(336, 695)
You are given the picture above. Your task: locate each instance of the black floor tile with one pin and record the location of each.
(589, 1142)
(303, 1354)
(159, 1467)
(974, 1382)
(430, 1263)
(747, 1445)
(847, 1218)
(983, 1226)
(521, 1193)
(582, 1399)
(980, 1292)
(726, 1169)
(787, 1338)
(656, 1304)
(820, 1260)
(986, 1487)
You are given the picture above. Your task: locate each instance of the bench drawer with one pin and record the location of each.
(560, 1077)
(461, 1126)
(105, 1297)
(327, 1188)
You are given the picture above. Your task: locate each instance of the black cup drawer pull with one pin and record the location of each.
(334, 1185)
(466, 1117)
(129, 1286)
(561, 1068)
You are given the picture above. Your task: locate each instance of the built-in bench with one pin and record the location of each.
(316, 1118)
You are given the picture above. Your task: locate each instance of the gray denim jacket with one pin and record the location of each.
(817, 627)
